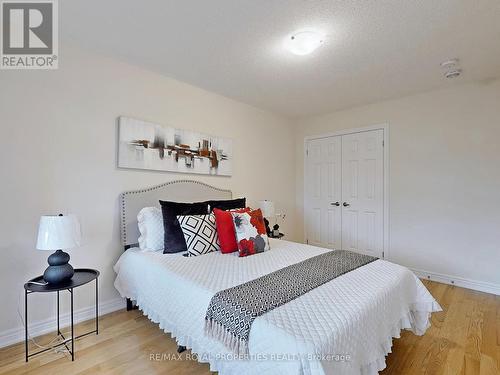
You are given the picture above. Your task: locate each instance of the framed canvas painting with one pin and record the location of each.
(145, 145)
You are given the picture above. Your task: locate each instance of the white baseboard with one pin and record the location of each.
(481, 286)
(15, 335)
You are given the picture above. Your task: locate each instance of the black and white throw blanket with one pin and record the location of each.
(232, 311)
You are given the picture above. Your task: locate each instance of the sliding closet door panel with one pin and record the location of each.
(362, 192)
(323, 191)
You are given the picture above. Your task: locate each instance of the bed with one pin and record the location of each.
(344, 326)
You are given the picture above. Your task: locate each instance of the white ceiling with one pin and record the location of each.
(375, 49)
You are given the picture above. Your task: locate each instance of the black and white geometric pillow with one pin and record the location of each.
(200, 233)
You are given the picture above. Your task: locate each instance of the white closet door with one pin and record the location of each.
(362, 192)
(323, 192)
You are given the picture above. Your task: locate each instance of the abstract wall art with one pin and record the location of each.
(145, 145)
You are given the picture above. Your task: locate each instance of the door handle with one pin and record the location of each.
(345, 204)
(335, 204)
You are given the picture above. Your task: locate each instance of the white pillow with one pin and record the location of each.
(150, 221)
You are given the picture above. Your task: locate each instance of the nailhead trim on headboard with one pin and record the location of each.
(123, 207)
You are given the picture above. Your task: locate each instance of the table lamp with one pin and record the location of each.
(55, 233)
(268, 211)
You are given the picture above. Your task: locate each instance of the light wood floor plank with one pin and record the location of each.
(463, 339)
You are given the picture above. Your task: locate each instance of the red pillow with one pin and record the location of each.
(225, 229)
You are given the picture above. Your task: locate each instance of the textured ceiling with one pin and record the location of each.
(374, 49)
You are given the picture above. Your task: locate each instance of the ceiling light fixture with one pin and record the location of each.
(304, 42)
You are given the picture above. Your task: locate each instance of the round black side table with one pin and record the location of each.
(82, 276)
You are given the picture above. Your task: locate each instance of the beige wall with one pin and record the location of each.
(58, 153)
(444, 177)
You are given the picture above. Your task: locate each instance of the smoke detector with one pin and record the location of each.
(450, 64)
(452, 67)
(453, 73)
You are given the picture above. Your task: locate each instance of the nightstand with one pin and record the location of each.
(81, 277)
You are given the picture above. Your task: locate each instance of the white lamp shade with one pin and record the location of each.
(267, 208)
(58, 232)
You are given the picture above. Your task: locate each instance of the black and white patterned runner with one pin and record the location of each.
(232, 311)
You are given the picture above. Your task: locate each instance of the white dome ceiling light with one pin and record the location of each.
(304, 42)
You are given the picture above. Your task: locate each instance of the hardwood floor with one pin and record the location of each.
(463, 339)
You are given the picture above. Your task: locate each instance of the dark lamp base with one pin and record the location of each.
(59, 270)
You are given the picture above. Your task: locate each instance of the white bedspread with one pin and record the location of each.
(345, 326)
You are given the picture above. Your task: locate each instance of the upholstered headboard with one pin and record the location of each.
(131, 202)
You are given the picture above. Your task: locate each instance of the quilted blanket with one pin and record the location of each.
(232, 311)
